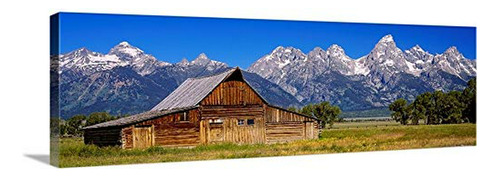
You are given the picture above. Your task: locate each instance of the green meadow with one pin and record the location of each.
(346, 137)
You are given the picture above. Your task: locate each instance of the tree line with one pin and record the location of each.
(324, 111)
(73, 126)
(438, 107)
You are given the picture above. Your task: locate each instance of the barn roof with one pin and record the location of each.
(194, 90)
(138, 118)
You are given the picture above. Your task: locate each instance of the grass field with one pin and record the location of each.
(364, 124)
(74, 153)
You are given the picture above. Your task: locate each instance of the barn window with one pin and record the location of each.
(215, 121)
(250, 122)
(241, 122)
(185, 116)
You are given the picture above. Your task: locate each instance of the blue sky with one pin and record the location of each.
(240, 42)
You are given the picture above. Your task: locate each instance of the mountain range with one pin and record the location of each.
(374, 80)
(127, 80)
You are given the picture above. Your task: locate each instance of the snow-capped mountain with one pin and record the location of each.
(453, 62)
(127, 80)
(374, 80)
(86, 62)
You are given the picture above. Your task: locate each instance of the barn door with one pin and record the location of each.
(216, 132)
(309, 130)
(143, 137)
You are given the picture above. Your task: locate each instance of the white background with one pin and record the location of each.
(24, 111)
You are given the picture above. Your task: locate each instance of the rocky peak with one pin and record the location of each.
(417, 48)
(316, 52)
(417, 54)
(386, 43)
(183, 62)
(337, 52)
(82, 51)
(126, 51)
(202, 59)
(278, 49)
(387, 39)
(78, 53)
(124, 44)
(336, 49)
(453, 52)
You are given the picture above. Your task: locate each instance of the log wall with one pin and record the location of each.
(284, 132)
(285, 126)
(103, 137)
(169, 130)
(229, 130)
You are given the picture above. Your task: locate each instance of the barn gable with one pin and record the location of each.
(194, 90)
(234, 91)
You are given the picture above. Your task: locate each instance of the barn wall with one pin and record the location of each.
(103, 136)
(285, 126)
(284, 132)
(278, 115)
(232, 93)
(229, 130)
(231, 111)
(231, 101)
(169, 131)
(127, 142)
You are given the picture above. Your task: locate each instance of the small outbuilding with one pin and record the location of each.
(204, 110)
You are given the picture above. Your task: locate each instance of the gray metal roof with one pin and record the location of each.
(138, 118)
(192, 91)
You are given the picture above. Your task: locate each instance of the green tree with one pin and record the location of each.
(449, 108)
(438, 107)
(439, 98)
(99, 117)
(400, 110)
(324, 111)
(469, 100)
(427, 101)
(75, 124)
(308, 110)
(417, 112)
(294, 109)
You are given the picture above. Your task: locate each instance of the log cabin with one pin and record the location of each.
(206, 110)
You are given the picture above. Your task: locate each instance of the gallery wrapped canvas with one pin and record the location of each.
(140, 89)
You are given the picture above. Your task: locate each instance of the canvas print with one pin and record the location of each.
(142, 89)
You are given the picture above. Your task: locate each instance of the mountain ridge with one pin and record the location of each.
(127, 80)
(380, 76)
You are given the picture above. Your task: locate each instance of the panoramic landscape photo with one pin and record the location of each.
(141, 89)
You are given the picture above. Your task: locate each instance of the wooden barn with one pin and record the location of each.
(204, 110)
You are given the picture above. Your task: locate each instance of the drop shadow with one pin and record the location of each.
(44, 158)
